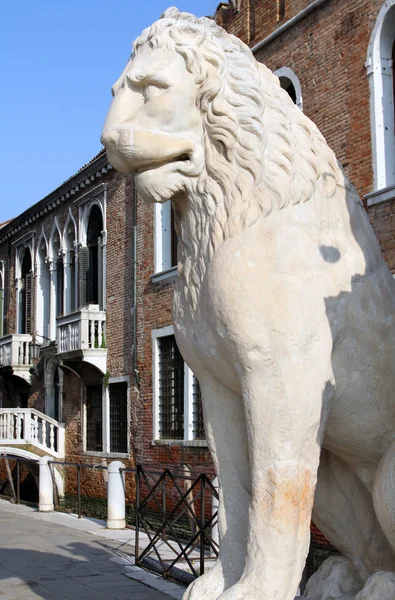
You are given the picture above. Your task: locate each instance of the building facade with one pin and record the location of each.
(66, 361)
(89, 368)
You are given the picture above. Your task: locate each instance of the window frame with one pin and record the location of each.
(95, 197)
(25, 242)
(290, 75)
(164, 251)
(188, 439)
(2, 299)
(380, 72)
(106, 440)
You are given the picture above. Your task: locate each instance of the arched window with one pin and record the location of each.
(381, 77)
(91, 261)
(57, 265)
(43, 292)
(2, 298)
(70, 271)
(25, 293)
(53, 389)
(289, 81)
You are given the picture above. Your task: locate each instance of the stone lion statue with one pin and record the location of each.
(283, 308)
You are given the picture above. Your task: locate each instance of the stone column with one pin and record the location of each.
(45, 492)
(52, 300)
(116, 496)
(67, 283)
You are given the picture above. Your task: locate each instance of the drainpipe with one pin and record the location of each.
(283, 28)
(134, 309)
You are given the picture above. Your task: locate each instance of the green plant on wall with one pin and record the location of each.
(103, 341)
(106, 378)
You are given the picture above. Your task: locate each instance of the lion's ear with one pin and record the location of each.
(268, 74)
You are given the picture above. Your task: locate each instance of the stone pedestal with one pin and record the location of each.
(116, 496)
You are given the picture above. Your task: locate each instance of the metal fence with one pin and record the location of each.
(175, 517)
(176, 522)
(78, 467)
(14, 474)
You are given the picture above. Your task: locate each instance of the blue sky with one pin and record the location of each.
(58, 61)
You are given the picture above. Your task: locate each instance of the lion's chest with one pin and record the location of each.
(200, 337)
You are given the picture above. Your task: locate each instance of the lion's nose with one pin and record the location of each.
(109, 137)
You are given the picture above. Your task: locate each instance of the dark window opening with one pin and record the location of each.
(94, 418)
(289, 87)
(119, 417)
(56, 387)
(197, 412)
(4, 292)
(26, 296)
(1, 307)
(72, 281)
(92, 266)
(23, 400)
(171, 390)
(280, 10)
(59, 287)
(174, 239)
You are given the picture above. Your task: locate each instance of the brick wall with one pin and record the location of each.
(154, 312)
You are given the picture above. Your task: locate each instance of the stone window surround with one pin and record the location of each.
(162, 243)
(188, 440)
(97, 196)
(26, 241)
(106, 420)
(287, 73)
(380, 74)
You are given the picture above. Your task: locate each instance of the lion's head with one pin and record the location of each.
(200, 121)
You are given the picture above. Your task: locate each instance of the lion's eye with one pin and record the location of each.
(151, 91)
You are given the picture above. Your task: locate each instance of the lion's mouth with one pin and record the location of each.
(157, 165)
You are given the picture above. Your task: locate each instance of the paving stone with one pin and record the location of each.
(41, 559)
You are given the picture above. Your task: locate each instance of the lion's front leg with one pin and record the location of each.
(285, 405)
(227, 438)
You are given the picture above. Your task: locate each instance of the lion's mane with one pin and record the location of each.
(261, 152)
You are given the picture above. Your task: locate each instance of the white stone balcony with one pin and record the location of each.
(82, 334)
(15, 354)
(22, 426)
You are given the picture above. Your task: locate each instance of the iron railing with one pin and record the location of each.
(14, 477)
(178, 513)
(78, 467)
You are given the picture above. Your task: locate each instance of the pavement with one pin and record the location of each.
(47, 556)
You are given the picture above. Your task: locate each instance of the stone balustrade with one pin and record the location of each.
(82, 330)
(29, 426)
(14, 350)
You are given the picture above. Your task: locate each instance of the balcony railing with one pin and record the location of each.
(14, 350)
(82, 330)
(29, 426)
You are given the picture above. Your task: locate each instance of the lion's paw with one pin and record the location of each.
(243, 590)
(380, 586)
(334, 580)
(208, 586)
